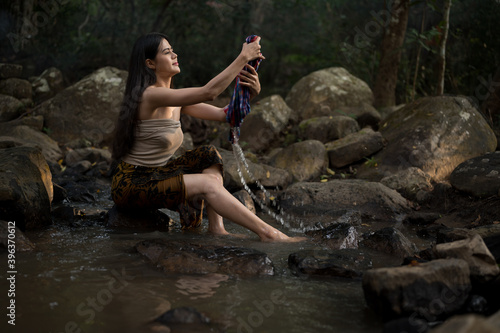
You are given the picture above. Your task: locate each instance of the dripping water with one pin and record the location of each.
(280, 217)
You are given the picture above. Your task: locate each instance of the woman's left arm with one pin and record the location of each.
(248, 78)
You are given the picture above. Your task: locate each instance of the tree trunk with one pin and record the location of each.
(419, 49)
(442, 48)
(384, 90)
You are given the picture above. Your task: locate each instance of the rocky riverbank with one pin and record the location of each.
(418, 183)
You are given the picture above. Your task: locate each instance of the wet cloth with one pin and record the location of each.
(156, 140)
(163, 187)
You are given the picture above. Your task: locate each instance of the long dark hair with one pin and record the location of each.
(139, 78)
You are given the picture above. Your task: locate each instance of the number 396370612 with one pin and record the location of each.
(11, 244)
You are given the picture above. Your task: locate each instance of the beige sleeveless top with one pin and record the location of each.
(156, 140)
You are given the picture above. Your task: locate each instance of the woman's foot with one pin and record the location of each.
(275, 235)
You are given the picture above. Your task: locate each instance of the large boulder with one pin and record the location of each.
(322, 92)
(304, 160)
(354, 147)
(434, 134)
(473, 250)
(479, 176)
(409, 182)
(391, 241)
(88, 109)
(265, 123)
(365, 114)
(430, 290)
(10, 108)
(10, 70)
(26, 188)
(327, 128)
(188, 258)
(18, 88)
(310, 203)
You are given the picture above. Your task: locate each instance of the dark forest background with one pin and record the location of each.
(298, 37)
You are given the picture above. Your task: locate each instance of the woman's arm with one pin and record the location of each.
(156, 97)
(248, 78)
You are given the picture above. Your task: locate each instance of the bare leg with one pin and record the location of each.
(209, 186)
(215, 221)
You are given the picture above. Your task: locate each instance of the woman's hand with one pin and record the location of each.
(251, 51)
(250, 79)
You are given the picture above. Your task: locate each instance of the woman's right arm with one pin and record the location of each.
(156, 97)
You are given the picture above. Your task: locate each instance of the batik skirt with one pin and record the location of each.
(140, 187)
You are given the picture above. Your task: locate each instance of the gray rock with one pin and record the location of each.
(327, 129)
(310, 203)
(365, 114)
(183, 315)
(467, 323)
(391, 241)
(304, 160)
(265, 123)
(479, 176)
(341, 235)
(473, 250)
(354, 147)
(340, 263)
(10, 108)
(267, 175)
(33, 138)
(409, 182)
(47, 84)
(25, 187)
(432, 290)
(187, 258)
(434, 134)
(86, 110)
(93, 155)
(322, 92)
(17, 88)
(10, 70)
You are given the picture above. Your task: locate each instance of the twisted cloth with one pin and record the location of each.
(239, 106)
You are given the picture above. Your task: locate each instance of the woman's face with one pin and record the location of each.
(166, 63)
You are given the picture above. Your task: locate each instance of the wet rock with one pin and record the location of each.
(309, 203)
(409, 182)
(322, 92)
(47, 84)
(10, 108)
(78, 192)
(430, 290)
(431, 231)
(304, 160)
(479, 176)
(8, 71)
(86, 110)
(246, 200)
(138, 218)
(468, 323)
(491, 237)
(93, 155)
(188, 258)
(21, 241)
(183, 315)
(447, 235)
(365, 114)
(473, 250)
(25, 187)
(341, 263)
(17, 88)
(391, 241)
(328, 128)
(337, 236)
(266, 121)
(422, 218)
(354, 147)
(434, 134)
(267, 175)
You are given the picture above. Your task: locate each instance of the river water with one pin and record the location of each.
(89, 279)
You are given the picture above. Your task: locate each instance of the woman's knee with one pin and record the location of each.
(212, 183)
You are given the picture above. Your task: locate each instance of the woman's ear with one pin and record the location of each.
(150, 64)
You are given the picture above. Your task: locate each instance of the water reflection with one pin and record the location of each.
(200, 286)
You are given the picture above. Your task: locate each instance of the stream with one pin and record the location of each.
(89, 279)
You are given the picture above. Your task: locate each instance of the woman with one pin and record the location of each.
(148, 133)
